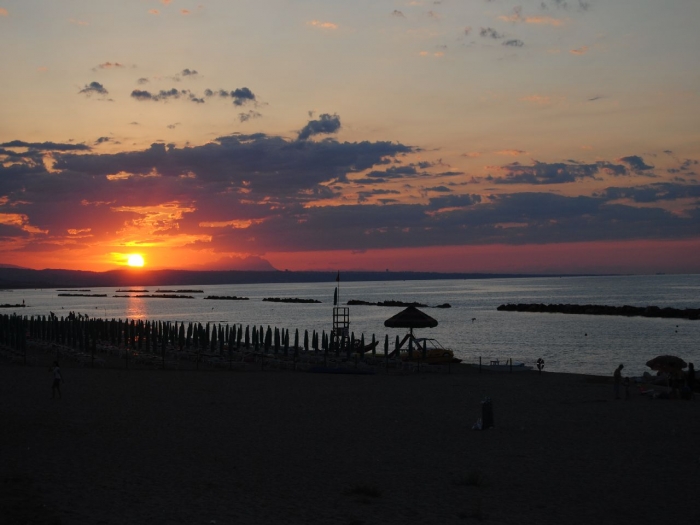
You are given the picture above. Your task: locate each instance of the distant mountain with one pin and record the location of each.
(13, 266)
(26, 278)
(242, 264)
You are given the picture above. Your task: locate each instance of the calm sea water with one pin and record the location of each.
(473, 327)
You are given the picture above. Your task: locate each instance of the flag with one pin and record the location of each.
(337, 278)
(335, 297)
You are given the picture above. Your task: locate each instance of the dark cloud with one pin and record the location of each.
(325, 124)
(93, 88)
(554, 173)
(164, 95)
(139, 94)
(13, 154)
(102, 140)
(189, 72)
(522, 218)
(581, 5)
(249, 115)
(268, 163)
(272, 186)
(45, 146)
(490, 32)
(395, 172)
(514, 43)
(142, 81)
(236, 177)
(453, 201)
(439, 189)
(398, 13)
(364, 196)
(636, 163)
(664, 191)
(240, 95)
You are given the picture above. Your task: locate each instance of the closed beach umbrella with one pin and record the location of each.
(268, 338)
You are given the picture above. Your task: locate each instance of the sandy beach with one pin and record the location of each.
(280, 446)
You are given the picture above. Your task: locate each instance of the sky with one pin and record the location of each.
(547, 136)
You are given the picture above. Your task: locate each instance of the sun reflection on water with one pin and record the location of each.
(136, 308)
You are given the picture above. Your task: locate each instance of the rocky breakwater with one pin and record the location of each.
(596, 309)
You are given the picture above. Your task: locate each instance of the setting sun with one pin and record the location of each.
(135, 260)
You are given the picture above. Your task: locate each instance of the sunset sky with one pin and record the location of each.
(455, 135)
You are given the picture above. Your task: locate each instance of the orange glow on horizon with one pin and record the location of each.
(629, 257)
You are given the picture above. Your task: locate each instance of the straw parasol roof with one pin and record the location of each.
(411, 318)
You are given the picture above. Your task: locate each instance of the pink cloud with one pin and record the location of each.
(3, 12)
(511, 152)
(322, 25)
(540, 100)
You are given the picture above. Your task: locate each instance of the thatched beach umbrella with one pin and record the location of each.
(411, 318)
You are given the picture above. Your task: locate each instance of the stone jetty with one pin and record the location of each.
(596, 309)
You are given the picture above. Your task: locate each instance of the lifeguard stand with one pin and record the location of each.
(340, 335)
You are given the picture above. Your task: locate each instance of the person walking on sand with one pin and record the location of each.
(57, 378)
(617, 378)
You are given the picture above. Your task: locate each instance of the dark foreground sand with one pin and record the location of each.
(258, 447)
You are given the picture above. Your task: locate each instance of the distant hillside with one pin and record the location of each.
(26, 278)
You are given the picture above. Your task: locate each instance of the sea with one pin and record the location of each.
(472, 327)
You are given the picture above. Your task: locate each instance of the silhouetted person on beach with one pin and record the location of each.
(540, 364)
(617, 377)
(57, 378)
